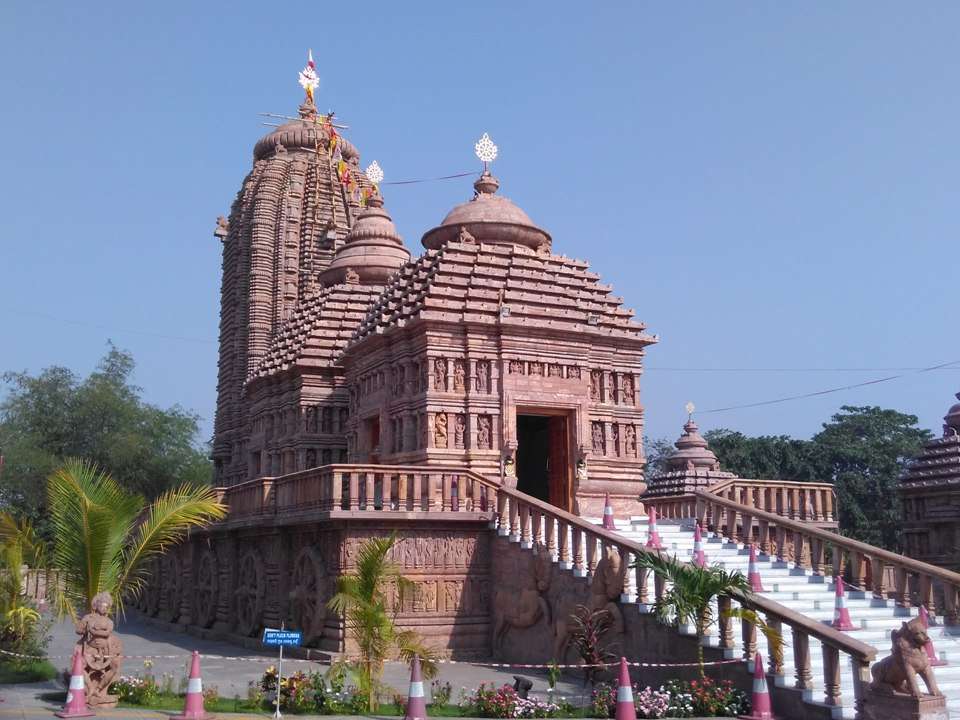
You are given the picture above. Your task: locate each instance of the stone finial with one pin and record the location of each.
(951, 421)
(486, 184)
(693, 452)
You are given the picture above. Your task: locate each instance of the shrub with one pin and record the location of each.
(678, 699)
(503, 702)
(440, 693)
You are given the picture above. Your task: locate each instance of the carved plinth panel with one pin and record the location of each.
(249, 592)
(205, 589)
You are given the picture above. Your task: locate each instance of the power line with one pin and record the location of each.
(662, 368)
(829, 391)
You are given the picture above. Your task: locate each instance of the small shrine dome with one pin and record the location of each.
(372, 251)
(488, 218)
(693, 452)
(951, 421)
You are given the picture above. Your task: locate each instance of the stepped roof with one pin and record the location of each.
(939, 462)
(511, 285)
(319, 329)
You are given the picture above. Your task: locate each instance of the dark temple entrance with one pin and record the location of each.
(543, 458)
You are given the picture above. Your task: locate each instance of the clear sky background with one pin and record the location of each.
(772, 186)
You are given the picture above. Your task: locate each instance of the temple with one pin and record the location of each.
(482, 401)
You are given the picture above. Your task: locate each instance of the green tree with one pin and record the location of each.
(769, 457)
(19, 620)
(862, 451)
(656, 451)
(104, 536)
(362, 599)
(690, 592)
(49, 417)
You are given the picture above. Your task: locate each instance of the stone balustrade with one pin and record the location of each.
(805, 501)
(825, 552)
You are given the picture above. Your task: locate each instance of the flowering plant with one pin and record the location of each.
(139, 690)
(504, 702)
(712, 697)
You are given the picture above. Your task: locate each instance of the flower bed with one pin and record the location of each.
(676, 699)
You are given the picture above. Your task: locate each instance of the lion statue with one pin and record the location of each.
(898, 672)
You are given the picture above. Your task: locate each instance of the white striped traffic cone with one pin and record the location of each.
(931, 653)
(76, 705)
(841, 616)
(626, 710)
(653, 537)
(416, 702)
(193, 705)
(608, 523)
(753, 573)
(699, 556)
(760, 702)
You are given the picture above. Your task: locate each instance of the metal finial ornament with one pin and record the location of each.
(485, 150)
(689, 407)
(308, 76)
(374, 173)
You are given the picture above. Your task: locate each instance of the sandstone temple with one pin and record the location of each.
(479, 396)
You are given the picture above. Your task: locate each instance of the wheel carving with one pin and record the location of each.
(310, 593)
(205, 590)
(250, 591)
(172, 585)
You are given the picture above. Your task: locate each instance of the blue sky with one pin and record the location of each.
(769, 185)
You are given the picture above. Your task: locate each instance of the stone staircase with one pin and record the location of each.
(811, 595)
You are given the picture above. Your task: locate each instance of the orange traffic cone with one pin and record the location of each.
(193, 705)
(653, 537)
(753, 573)
(416, 703)
(626, 710)
(608, 523)
(77, 692)
(699, 556)
(841, 616)
(931, 653)
(760, 702)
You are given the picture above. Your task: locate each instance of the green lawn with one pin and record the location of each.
(33, 671)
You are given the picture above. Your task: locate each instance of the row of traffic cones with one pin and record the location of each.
(76, 705)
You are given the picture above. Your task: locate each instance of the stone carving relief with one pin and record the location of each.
(310, 421)
(615, 437)
(484, 432)
(554, 370)
(205, 589)
(344, 414)
(440, 374)
(483, 376)
(101, 651)
(630, 440)
(311, 591)
(424, 597)
(453, 596)
(573, 372)
(516, 367)
(172, 585)
(606, 586)
(599, 439)
(596, 385)
(311, 459)
(440, 430)
(459, 429)
(536, 368)
(522, 605)
(459, 375)
(628, 390)
(249, 592)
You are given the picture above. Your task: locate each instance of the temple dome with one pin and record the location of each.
(302, 134)
(373, 249)
(693, 452)
(488, 218)
(951, 421)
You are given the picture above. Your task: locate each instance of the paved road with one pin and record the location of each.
(227, 667)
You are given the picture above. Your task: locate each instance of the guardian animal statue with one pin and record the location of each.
(523, 607)
(898, 672)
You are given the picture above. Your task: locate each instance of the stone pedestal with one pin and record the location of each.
(900, 706)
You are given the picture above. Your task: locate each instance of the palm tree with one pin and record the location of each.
(104, 536)
(362, 598)
(688, 600)
(19, 546)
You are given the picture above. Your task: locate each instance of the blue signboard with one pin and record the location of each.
(282, 637)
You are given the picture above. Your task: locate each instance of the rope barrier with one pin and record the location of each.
(440, 661)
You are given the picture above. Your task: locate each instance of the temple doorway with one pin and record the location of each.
(543, 458)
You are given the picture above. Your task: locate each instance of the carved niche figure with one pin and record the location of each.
(573, 372)
(440, 430)
(464, 236)
(222, 229)
(599, 441)
(459, 427)
(615, 437)
(628, 389)
(516, 367)
(554, 370)
(351, 278)
(311, 419)
(483, 376)
(536, 368)
(596, 385)
(630, 441)
(459, 375)
(344, 413)
(523, 606)
(439, 374)
(897, 673)
(483, 432)
(326, 420)
(101, 651)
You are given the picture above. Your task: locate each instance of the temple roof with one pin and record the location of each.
(373, 248)
(319, 329)
(939, 462)
(693, 452)
(506, 284)
(304, 133)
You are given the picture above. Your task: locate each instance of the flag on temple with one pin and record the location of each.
(308, 77)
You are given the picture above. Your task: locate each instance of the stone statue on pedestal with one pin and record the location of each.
(101, 651)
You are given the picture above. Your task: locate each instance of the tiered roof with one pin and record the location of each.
(501, 283)
(939, 463)
(319, 329)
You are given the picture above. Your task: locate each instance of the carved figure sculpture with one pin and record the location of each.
(101, 650)
(483, 432)
(524, 606)
(439, 374)
(595, 383)
(459, 375)
(897, 673)
(628, 391)
(464, 236)
(351, 277)
(483, 376)
(630, 440)
(459, 427)
(440, 431)
(599, 442)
